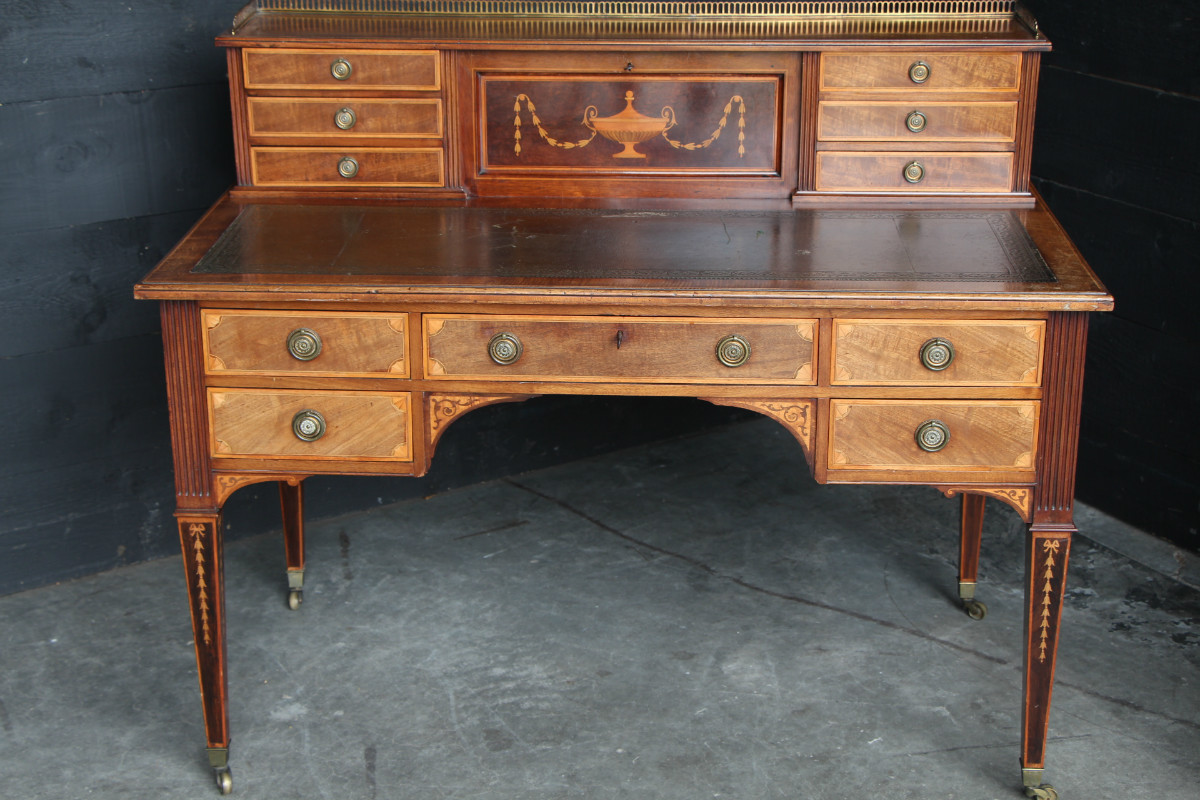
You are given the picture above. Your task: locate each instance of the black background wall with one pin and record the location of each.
(114, 138)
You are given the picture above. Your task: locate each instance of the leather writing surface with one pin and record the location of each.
(526, 245)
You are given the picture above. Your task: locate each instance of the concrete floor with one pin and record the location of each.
(689, 619)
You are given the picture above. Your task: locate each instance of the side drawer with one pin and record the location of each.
(346, 166)
(914, 172)
(923, 72)
(344, 118)
(912, 121)
(253, 423)
(957, 436)
(871, 352)
(305, 343)
(659, 350)
(342, 70)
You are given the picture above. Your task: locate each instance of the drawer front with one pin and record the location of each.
(341, 70)
(975, 435)
(661, 350)
(870, 352)
(352, 425)
(903, 72)
(345, 118)
(347, 166)
(913, 121)
(329, 344)
(895, 172)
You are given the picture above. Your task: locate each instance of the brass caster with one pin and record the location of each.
(975, 609)
(224, 779)
(1043, 792)
(295, 598)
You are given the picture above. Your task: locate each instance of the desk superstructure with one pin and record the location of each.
(818, 211)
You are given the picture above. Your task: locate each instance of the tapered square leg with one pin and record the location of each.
(968, 554)
(291, 499)
(1047, 553)
(200, 542)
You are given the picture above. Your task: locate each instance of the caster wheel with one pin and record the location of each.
(295, 598)
(975, 609)
(224, 779)
(1043, 792)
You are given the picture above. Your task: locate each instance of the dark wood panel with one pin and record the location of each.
(1152, 44)
(89, 159)
(68, 287)
(71, 50)
(1131, 143)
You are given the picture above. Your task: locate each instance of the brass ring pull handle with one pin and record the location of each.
(918, 72)
(347, 167)
(505, 349)
(932, 435)
(345, 118)
(914, 172)
(733, 350)
(340, 69)
(937, 354)
(304, 344)
(308, 425)
(916, 121)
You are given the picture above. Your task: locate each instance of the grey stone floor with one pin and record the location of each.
(692, 619)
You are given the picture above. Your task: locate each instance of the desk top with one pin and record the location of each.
(946, 257)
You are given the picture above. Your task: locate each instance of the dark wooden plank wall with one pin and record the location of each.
(114, 135)
(113, 141)
(1117, 157)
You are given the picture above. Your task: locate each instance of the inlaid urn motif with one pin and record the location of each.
(628, 127)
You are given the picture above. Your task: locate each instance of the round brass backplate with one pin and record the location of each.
(308, 425)
(505, 349)
(304, 344)
(937, 354)
(733, 350)
(932, 435)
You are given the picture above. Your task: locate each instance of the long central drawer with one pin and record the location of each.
(635, 349)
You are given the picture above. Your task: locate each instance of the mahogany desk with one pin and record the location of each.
(826, 220)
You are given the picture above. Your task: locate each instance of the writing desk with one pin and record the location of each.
(905, 307)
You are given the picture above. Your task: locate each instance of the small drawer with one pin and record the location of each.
(869, 352)
(347, 166)
(970, 435)
(913, 172)
(342, 70)
(310, 425)
(345, 118)
(921, 72)
(659, 350)
(911, 121)
(310, 343)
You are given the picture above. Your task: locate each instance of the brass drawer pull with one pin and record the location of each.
(932, 435)
(505, 349)
(304, 344)
(937, 354)
(308, 425)
(341, 69)
(345, 118)
(916, 121)
(347, 167)
(914, 172)
(733, 350)
(918, 72)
